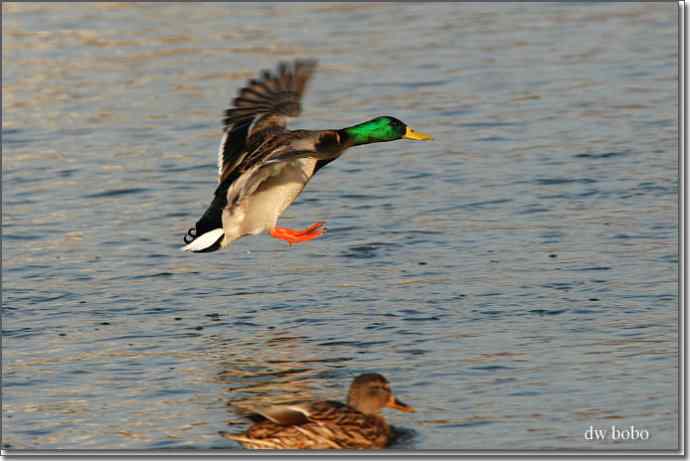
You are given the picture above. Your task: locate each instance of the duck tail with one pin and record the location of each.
(248, 442)
(207, 233)
(205, 243)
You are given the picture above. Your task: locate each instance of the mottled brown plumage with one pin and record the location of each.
(328, 424)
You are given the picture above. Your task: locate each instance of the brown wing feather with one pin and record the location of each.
(272, 98)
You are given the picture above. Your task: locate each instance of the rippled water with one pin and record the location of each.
(516, 279)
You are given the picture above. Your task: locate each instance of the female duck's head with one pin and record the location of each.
(382, 129)
(370, 392)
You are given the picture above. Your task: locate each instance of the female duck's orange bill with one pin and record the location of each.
(400, 406)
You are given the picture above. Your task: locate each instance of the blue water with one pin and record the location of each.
(515, 279)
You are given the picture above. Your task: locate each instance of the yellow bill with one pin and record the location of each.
(416, 135)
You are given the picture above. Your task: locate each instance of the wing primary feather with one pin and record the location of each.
(264, 102)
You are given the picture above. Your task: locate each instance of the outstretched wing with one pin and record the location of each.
(264, 103)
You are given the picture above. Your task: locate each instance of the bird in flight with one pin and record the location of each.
(263, 166)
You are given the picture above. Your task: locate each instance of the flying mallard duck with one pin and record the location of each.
(328, 424)
(263, 166)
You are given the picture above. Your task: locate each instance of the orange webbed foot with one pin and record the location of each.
(293, 236)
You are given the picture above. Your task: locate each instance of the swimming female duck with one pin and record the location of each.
(263, 167)
(328, 424)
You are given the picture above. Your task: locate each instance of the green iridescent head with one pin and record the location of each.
(382, 129)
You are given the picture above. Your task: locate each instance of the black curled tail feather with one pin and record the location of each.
(190, 236)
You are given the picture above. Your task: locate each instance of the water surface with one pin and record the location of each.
(516, 279)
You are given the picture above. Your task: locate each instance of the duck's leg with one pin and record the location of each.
(298, 236)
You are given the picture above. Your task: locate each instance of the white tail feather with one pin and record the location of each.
(204, 240)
